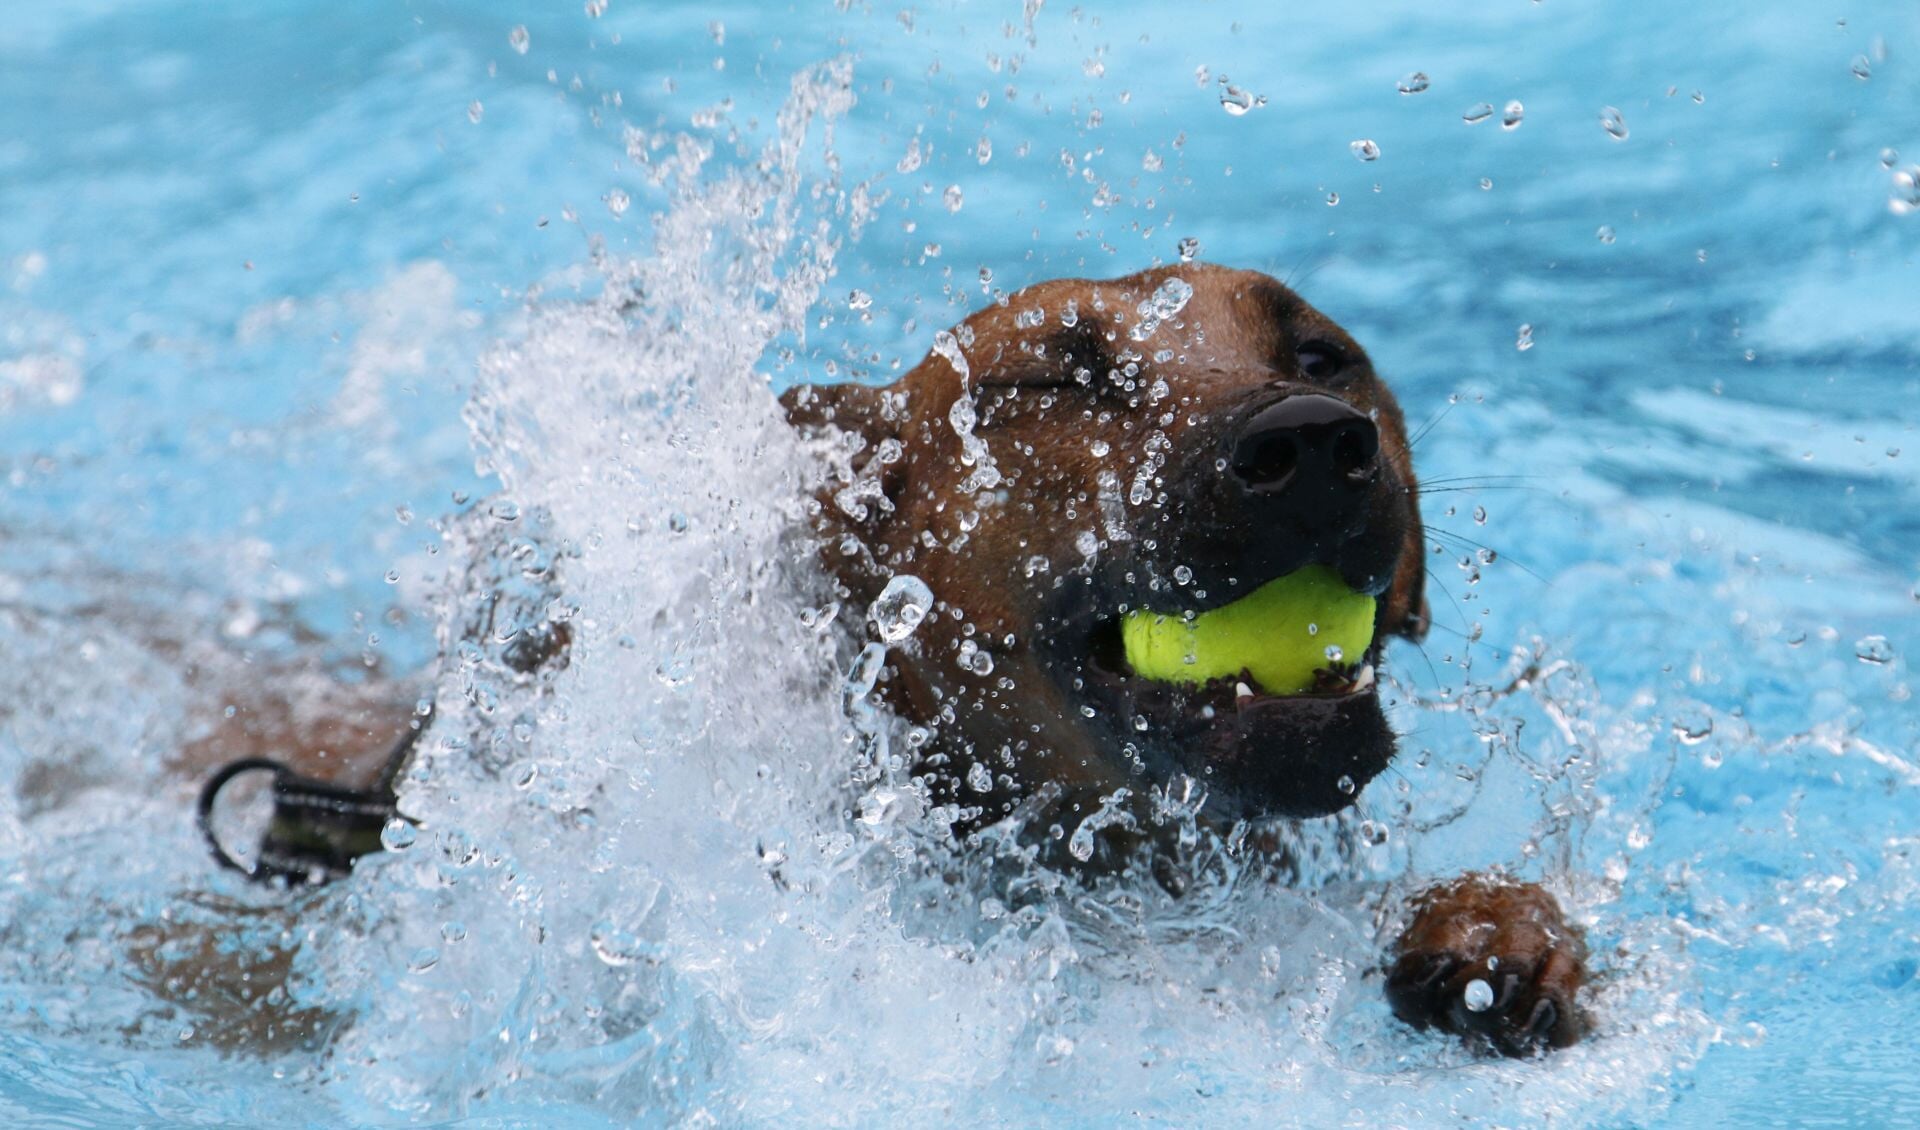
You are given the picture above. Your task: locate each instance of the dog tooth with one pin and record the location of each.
(1242, 694)
(1363, 679)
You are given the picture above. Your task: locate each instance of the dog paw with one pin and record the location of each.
(1494, 961)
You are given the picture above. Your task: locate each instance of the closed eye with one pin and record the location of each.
(1051, 378)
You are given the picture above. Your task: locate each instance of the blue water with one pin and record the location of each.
(285, 286)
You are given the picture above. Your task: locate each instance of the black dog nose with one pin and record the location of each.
(1305, 441)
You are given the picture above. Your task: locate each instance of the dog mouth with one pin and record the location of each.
(1289, 637)
(1272, 699)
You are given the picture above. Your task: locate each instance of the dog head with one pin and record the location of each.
(1171, 441)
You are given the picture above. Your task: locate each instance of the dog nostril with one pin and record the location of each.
(1355, 446)
(1305, 442)
(1266, 459)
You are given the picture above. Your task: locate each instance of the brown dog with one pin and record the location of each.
(1170, 441)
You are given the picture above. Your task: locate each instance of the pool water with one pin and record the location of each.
(303, 306)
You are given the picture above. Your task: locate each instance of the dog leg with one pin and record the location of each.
(1493, 960)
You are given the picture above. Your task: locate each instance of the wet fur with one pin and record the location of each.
(900, 502)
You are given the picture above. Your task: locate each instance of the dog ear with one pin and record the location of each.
(855, 408)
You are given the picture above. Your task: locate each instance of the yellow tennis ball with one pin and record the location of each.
(1279, 633)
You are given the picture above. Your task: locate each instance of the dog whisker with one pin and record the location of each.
(1431, 423)
(1423, 490)
(1501, 652)
(1500, 554)
(1450, 480)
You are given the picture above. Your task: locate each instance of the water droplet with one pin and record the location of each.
(953, 198)
(948, 346)
(859, 300)
(1334, 654)
(1861, 67)
(1189, 248)
(1524, 341)
(1415, 83)
(1511, 117)
(1365, 149)
(1604, 233)
(880, 807)
(980, 778)
(475, 111)
(1236, 101)
(596, 8)
(1693, 727)
(1889, 157)
(1477, 996)
(1182, 575)
(1346, 786)
(1614, 123)
(453, 932)
(1165, 302)
(1373, 832)
(900, 607)
(1477, 113)
(617, 202)
(1873, 649)
(1333, 200)
(975, 658)
(616, 945)
(1905, 196)
(862, 674)
(398, 834)
(423, 959)
(519, 40)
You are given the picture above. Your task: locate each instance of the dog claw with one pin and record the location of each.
(1509, 989)
(1545, 1017)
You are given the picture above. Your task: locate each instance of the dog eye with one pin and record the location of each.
(1320, 360)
